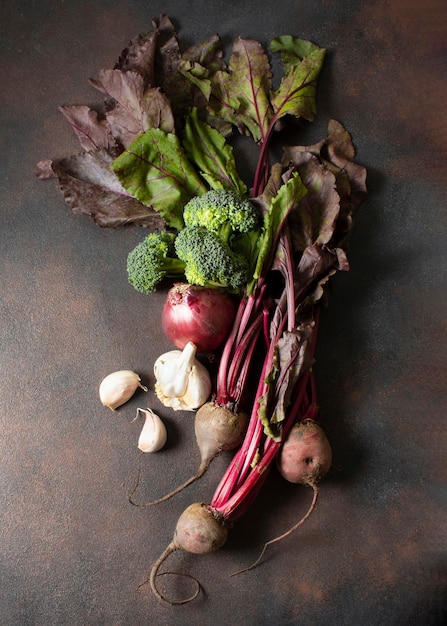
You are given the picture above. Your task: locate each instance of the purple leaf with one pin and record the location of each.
(92, 131)
(91, 188)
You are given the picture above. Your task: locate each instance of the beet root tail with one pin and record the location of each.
(287, 533)
(155, 573)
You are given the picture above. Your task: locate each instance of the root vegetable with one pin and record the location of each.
(217, 429)
(199, 530)
(304, 458)
(306, 455)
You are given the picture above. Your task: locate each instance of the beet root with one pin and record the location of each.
(199, 530)
(217, 429)
(306, 455)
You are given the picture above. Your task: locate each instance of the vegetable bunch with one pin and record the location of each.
(159, 154)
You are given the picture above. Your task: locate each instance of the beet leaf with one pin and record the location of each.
(156, 171)
(287, 196)
(302, 62)
(250, 82)
(290, 359)
(89, 187)
(212, 155)
(90, 128)
(135, 109)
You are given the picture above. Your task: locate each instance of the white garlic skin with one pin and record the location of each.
(199, 387)
(197, 391)
(118, 387)
(153, 435)
(172, 378)
(182, 382)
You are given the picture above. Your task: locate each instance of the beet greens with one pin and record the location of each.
(311, 248)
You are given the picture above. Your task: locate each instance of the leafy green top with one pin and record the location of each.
(160, 137)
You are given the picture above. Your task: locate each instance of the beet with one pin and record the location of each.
(306, 455)
(217, 429)
(199, 530)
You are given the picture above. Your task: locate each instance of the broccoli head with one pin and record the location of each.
(209, 261)
(152, 260)
(221, 211)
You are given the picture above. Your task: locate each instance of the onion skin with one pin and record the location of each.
(197, 314)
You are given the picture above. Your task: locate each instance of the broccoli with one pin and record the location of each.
(213, 250)
(152, 260)
(222, 212)
(209, 261)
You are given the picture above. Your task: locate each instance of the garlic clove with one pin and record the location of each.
(173, 403)
(170, 376)
(199, 387)
(153, 435)
(118, 387)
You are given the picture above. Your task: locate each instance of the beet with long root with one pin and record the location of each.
(217, 429)
(199, 530)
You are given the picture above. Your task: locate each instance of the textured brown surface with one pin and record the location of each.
(73, 550)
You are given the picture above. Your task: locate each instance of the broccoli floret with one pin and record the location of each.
(221, 211)
(152, 260)
(210, 262)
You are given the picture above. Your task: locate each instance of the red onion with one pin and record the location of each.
(203, 316)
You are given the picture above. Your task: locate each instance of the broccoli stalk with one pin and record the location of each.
(152, 260)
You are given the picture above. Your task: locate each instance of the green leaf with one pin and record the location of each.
(215, 87)
(251, 84)
(267, 399)
(223, 102)
(296, 93)
(239, 95)
(197, 75)
(156, 171)
(292, 49)
(200, 61)
(280, 205)
(208, 53)
(212, 155)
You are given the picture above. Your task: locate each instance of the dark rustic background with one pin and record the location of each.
(73, 550)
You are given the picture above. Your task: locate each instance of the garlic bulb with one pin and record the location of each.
(182, 382)
(118, 387)
(153, 435)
